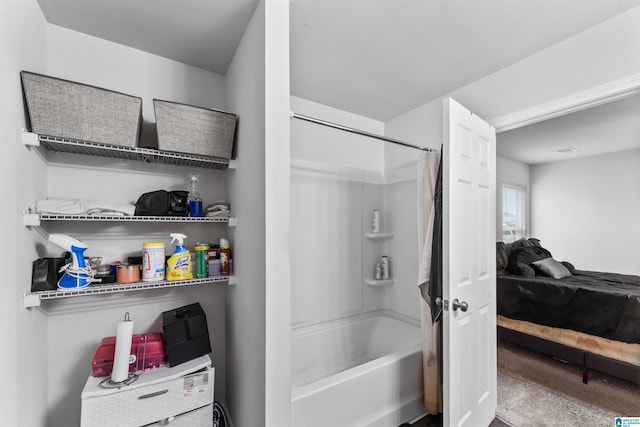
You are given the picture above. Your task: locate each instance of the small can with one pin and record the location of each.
(375, 222)
(385, 267)
(153, 261)
(377, 273)
(202, 260)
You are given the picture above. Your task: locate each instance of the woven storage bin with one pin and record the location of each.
(194, 130)
(73, 110)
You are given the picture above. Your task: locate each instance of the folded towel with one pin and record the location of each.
(65, 206)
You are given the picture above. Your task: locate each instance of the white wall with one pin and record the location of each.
(277, 223)
(585, 211)
(511, 172)
(246, 302)
(23, 332)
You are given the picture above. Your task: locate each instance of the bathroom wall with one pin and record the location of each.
(335, 184)
(337, 180)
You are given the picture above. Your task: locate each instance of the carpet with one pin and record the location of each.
(537, 391)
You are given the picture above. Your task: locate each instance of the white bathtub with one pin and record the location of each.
(359, 371)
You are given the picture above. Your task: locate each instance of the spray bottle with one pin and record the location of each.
(77, 274)
(225, 257)
(179, 264)
(195, 201)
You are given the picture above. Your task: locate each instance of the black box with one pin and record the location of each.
(185, 333)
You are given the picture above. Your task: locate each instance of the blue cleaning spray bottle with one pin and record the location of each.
(77, 274)
(179, 264)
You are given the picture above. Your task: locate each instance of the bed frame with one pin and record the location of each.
(588, 352)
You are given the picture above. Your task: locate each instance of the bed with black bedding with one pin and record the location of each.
(533, 288)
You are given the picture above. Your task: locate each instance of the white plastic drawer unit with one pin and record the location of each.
(168, 396)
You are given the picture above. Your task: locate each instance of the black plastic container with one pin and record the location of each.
(185, 333)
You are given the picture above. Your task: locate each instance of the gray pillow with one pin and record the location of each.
(552, 268)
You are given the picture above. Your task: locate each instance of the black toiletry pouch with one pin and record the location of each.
(45, 274)
(163, 203)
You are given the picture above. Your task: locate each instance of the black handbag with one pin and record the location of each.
(163, 203)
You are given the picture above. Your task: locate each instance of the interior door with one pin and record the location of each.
(469, 278)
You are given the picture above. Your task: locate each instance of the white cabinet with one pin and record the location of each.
(134, 154)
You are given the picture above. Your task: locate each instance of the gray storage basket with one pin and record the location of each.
(58, 107)
(194, 130)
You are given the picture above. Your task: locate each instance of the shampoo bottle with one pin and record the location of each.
(179, 264)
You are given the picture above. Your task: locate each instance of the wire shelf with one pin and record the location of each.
(118, 218)
(149, 155)
(32, 299)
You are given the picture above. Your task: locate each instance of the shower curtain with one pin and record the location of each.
(428, 176)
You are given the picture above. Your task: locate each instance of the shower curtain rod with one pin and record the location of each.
(357, 131)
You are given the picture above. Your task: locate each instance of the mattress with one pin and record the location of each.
(596, 303)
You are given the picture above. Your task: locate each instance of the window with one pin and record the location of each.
(513, 212)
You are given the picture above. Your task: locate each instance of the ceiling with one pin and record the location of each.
(375, 58)
(202, 33)
(603, 129)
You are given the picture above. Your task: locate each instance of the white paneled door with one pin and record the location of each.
(469, 319)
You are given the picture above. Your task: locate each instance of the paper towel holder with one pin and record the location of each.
(132, 377)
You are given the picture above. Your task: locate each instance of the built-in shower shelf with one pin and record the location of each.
(379, 236)
(374, 282)
(33, 299)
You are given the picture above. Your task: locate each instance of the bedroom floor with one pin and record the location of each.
(436, 421)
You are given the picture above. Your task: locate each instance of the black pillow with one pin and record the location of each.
(502, 259)
(526, 243)
(569, 266)
(526, 270)
(525, 255)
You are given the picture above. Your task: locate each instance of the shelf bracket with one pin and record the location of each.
(233, 280)
(30, 138)
(31, 220)
(233, 221)
(31, 300)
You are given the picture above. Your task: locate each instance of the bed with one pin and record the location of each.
(584, 317)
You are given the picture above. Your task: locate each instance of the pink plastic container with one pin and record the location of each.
(147, 352)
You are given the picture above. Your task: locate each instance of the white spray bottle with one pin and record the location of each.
(77, 274)
(179, 264)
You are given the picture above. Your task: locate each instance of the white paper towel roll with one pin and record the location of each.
(124, 335)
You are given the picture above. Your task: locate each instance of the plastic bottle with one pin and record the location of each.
(225, 257)
(179, 264)
(195, 201)
(202, 260)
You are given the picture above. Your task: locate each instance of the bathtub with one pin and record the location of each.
(364, 370)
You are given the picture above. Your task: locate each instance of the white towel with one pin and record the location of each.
(65, 206)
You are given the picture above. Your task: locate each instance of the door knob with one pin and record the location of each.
(463, 306)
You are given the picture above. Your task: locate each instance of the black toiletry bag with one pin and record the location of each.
(163, 203)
